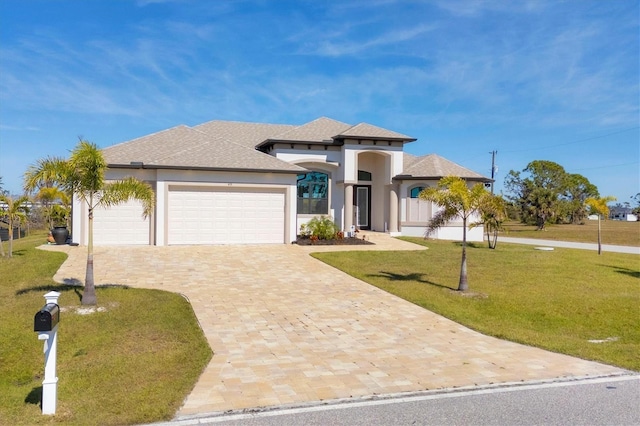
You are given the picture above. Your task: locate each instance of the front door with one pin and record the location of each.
(362, 203)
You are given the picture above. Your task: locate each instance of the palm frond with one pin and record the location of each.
(45, 173)
(127, 189)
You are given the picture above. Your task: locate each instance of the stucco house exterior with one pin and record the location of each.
(224, 182)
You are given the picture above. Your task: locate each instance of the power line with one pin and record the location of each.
(478, 155)
(576, 141)
(605, 167)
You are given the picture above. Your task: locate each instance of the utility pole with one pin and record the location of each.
(494, 169)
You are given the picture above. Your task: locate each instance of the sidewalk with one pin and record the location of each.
(567, 244)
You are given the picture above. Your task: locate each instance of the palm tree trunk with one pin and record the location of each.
(463, 285)
(89, 293)
(10, 237)
(599, 241)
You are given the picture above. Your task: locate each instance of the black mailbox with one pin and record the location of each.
(47, 318)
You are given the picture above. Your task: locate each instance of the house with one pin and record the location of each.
(623, 214)
(226, 182)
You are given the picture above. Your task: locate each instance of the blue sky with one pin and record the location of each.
(532, 80)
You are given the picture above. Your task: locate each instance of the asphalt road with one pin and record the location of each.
(567, 244)
(605, 401)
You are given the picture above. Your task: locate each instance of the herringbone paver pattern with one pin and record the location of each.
(288, 329)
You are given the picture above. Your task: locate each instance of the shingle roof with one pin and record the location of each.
(364, 130)
(433, 166)
(318, 130)
(232, 144)
(243, 133)
(186, 147)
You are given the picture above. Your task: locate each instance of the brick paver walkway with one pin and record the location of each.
(288, 329)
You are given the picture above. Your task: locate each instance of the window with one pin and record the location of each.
(364, 176)
(416, 191)
(313, 192)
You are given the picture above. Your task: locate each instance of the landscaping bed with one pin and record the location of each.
(350, 241)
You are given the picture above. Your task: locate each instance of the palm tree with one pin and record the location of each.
(45, 176)
(456, 200)
(493, 213)
(55, 204)
(15, 213)
(599, 207)
(83, 175)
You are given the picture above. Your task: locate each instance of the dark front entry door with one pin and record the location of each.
(362, 206)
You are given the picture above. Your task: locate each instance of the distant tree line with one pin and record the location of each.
(545, 193)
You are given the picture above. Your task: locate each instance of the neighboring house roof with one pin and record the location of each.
(433, 166)
(185, 147)
(620, 210)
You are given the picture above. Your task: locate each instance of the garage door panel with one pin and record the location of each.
(122, 224)
(217, 216)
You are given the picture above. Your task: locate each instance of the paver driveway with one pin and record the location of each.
(288, 329)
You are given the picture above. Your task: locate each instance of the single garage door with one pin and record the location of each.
(121, 224)
(223, 216)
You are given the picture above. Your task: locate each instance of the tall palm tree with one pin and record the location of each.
(599, 207)
(15, 213)
(83, 175)
(456, 200)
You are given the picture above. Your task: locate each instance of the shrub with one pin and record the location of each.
(321, 227)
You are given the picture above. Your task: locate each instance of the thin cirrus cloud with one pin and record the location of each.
(390, 38)
(532, 68)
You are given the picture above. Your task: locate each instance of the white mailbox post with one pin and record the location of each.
(46, 325)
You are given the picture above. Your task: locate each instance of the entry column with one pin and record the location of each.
(348, 206)
(393, 209)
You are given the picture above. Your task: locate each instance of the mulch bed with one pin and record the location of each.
(351, 241)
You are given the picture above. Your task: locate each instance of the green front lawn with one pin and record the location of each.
(557, 300)
(133, 363)
(613, 232)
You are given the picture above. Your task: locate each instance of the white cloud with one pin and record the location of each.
(333, 48)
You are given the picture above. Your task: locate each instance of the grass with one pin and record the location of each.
(556, 300)
(133, 363)
(614, 232)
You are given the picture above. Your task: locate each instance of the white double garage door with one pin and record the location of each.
(201, 215)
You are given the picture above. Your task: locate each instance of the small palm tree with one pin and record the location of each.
(15, 213)
(599, 206)
(493, 214)
(456, 200)
(83, 175)
(55, 204)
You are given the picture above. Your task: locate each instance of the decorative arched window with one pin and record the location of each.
(313, 193)
(415, 192)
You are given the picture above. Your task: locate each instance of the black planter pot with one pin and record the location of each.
(60, 234)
